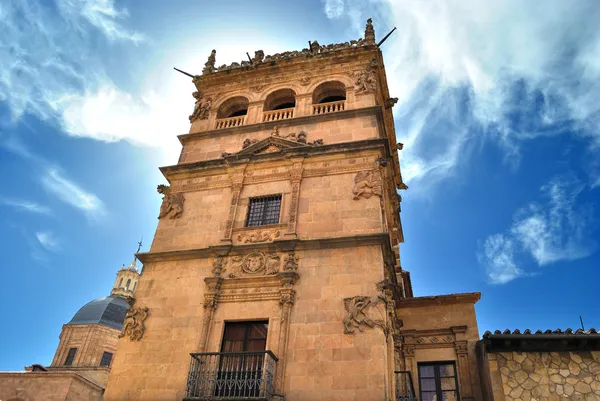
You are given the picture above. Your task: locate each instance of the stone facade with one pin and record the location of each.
(47, 386)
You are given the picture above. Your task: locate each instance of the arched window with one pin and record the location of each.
(327, 92)
(121, 283)
(128, 284)
(280, 99)
(134, 285)
(234, 107)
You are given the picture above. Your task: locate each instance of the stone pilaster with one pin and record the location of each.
(464, 373)
(295, 179)
(286, 302)
(211, 298)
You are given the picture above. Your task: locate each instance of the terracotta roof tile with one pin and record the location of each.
(567, 332)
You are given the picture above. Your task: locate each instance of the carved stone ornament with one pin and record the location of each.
(356, 313)
(209, 66)
(255, 263)
(258, 236)
(389, 103)
(172, 204)
(133, 326)
(219, 266)
(201, 108)
(366, 80)
(290, 263)
(248, 142)
(258, 88)
(287, 298)
(367, 183)
(369, 33)
(305, 80)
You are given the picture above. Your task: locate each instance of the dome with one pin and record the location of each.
(109, 311)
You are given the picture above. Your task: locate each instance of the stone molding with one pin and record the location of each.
(450, 299)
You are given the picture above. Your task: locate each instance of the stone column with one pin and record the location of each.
(464, 373)
(287, 296)
(211, 297)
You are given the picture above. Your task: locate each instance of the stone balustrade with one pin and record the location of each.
(276, 115)
(330, 107)
(230, 122)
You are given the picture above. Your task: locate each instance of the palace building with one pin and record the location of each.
(275, 272)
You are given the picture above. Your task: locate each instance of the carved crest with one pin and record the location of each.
(172, 204)
(254, 264)
(356, 313)
(366, 80)
(367, 183)
(133, 326)
(201, 108)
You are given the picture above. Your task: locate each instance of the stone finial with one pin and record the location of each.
(209, 66)
(369, 33)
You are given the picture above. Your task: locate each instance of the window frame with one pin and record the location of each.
(70, 358)
(263, 222)
(247, 326)
(109, 360)
(437, 377)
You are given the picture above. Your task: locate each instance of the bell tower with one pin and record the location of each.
(278, 237)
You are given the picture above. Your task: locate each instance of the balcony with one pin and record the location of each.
(404, 386)
(230, 122)
(231, 376)
(276, 115)
(330, 107)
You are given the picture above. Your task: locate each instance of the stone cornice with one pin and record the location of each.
(305, 151)
(436, 300)
(277, 245)
(377, 110)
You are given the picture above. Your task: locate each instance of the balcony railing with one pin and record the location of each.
(276, 115)
(331, 107)
(231, 376)
(404, 386)
(230, 122)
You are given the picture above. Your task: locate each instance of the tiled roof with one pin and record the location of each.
(566, 332)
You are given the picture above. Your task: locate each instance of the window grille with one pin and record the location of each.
(70, 356)
(264, 210)
(437, 381)
(106, 359)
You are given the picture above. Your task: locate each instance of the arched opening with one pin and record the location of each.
(327, 92)
(280, 99)
(134, 285)
(121, 283)
(128, 284)
(234, 107)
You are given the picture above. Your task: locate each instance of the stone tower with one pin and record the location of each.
(127, 279)
(275, 271)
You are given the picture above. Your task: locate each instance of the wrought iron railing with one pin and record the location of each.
(231, 376)
(405, 390)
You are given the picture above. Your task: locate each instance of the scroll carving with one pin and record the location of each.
(367, 183)
(201, 108)
(172, 204)
(356, 313)
(260, 236)
(290, 263)
(366, 81)
(219, 266)
(134, 322)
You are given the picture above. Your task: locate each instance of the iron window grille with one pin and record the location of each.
(106, 359)
(70, 356)
(438, 381)
(263, 210)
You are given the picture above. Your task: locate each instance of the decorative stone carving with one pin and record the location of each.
(209, 66)
(367, 183)
(254, 263)
(272, 263)
(172, 204)
(258, 88)
(366, 80)
(290, 263)
(259, 56)
(287, 298)
(304, 81)
(201, 108)
(258, 236)
(409, 350)
(460, 347)
(390, 102)
(248, 142)
(133, 326)
(356, 313)
(219, 264)
(369, 33)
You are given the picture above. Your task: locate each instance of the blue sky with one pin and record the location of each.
(499, 112)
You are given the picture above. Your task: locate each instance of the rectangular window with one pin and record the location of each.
(264, 210)
(438, 382)
(245, 336)
(70, 356)
(106, 359)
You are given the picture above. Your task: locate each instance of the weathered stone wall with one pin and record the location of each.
(47, 386)
(545, 376)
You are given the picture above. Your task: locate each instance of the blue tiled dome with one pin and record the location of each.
(109, 311)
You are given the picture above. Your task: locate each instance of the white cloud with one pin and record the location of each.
(333, 8)
(553, 231)
(25, 205)
(459, 65)
(48, 240)
(72, 194)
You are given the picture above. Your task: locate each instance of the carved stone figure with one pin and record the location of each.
(290, 263)
(260, 236)
(172, 204)
(259, 56)
(314, 46)
(134, 322)
(219, 266)
(317, 142)
(366, 81)
(369, 33)
(356, 313)
(209, 66)
(389, 103)
(272, 263)
(366, 184)
(201, 108)
(275, 131)
(248, 142)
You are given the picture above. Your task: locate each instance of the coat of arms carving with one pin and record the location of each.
(367, 183)
(133, 326)
(356, 313)
(172, 204)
